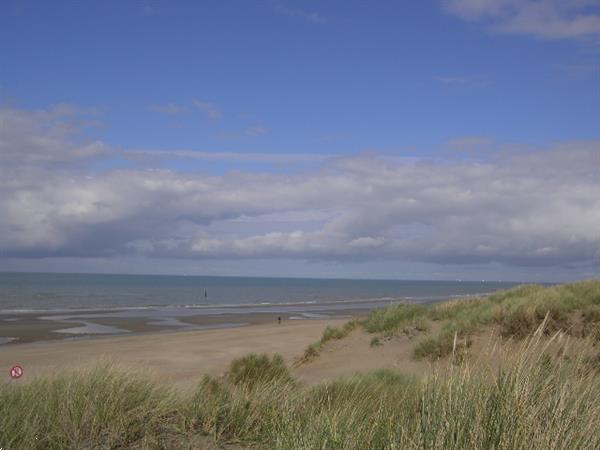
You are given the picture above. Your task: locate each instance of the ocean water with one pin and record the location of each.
(52, 292)
(79, 305)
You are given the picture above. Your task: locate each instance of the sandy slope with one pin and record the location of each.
(354, 354)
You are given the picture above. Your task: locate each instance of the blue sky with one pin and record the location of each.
(243, 90)
(398, 76)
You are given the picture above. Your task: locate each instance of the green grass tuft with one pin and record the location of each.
(393, 318)
(330, 334)
(101, 407)
(254, 369)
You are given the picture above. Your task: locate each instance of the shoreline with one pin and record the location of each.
(19, 327)
(22, 330)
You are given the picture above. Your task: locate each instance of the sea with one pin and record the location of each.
(39, 306)
(52, 291)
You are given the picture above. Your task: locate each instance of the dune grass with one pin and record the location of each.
(536, 398)
(330, 334)
(99, 407)
(573, 308)
(388, 321)
(256, 369)
(516, 313)
(394, 318)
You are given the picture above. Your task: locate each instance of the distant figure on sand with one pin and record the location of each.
(279, 320)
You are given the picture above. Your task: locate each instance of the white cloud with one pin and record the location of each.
(544, 19)
(542, 208)
(44, 135)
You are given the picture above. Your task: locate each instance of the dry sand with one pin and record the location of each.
(179, 358)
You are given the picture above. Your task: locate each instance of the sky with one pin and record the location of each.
(455, 139)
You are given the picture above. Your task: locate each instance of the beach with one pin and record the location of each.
(178, 329)
(179, 358)
(395, 375)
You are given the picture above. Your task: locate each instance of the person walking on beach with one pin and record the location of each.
(279, 320)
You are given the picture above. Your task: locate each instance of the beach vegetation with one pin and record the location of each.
(394, 318)
(516, 313)
(254, 369)
(101, 407)
(330, 334)
(534, 397)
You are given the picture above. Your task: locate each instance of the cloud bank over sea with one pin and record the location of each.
(62, 195)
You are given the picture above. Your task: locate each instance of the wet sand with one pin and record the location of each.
(27, 327)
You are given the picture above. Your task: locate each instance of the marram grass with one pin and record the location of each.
(99, 408)
(533, 399)
(571, 308)
(330, 334)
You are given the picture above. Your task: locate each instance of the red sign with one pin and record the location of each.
(16, 371)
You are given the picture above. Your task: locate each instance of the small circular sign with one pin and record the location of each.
(16, 371)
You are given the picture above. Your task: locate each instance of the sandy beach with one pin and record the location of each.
(179, 358)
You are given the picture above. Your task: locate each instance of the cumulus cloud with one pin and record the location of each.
(44, 136)
(544, 19)
(540, 208)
